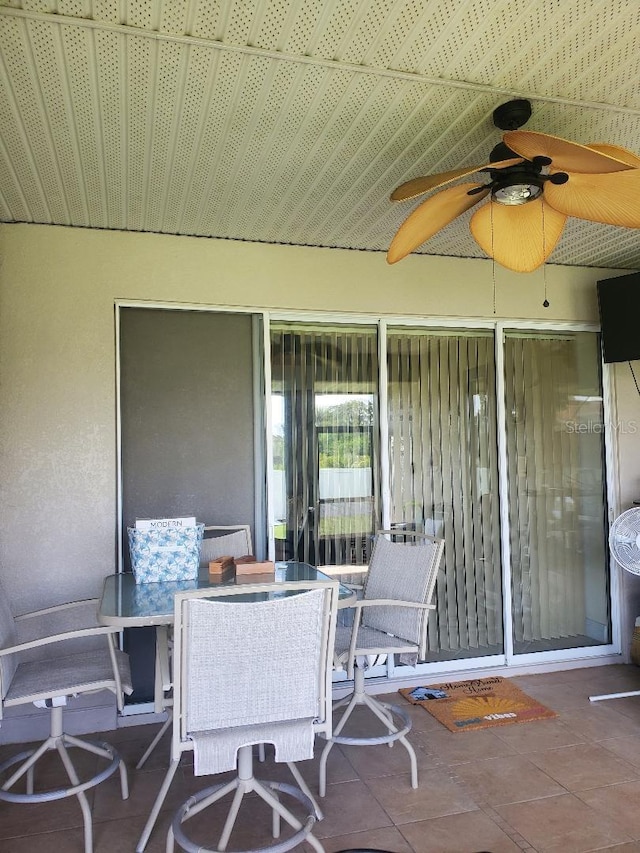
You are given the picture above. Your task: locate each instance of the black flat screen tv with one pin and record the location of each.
(619, 305)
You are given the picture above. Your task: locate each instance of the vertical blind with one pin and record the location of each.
(442, 421)
(556, 490)
(443, 471)
(324, 389)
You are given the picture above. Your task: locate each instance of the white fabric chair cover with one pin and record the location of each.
(403, 572)
(234, 544)
(45, 658)
(235, 698)
(250, 670)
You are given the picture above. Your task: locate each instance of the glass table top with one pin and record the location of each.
(128, 604)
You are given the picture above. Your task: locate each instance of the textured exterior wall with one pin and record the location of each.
(58, 376)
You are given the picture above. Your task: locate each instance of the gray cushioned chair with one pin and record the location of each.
(229, 541)
(250, 669)
(46, 657)
(391, 618)
(219, 541)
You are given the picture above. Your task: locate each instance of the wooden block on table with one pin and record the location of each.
(223, 577)
(263, 567)
(262, 577)
(221, 566)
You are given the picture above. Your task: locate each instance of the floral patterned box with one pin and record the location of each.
(170, 554)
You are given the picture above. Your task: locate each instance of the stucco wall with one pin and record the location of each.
(57, 362)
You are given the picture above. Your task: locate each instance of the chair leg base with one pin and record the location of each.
(268, 791)
(105, 750)
(388, 714)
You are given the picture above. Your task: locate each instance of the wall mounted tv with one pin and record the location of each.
(619, 304)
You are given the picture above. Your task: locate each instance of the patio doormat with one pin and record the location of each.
(477, 704)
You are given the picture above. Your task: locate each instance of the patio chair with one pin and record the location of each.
(233, 690)
(225, 541)
(47, 657)
(218, 541)
(391, 618)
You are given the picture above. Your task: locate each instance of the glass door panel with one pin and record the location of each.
(325, 443)
(557, 507)
(444, 477)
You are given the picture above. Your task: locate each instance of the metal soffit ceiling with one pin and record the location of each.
(291, 121)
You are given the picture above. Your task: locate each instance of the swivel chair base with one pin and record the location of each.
(246, 783)
(60, 742)
(394, 718)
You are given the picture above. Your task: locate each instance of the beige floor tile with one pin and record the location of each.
(120, 835)
(436, 795)
(461, 747)
(18, 819)
(386, 838)
(620, 802)
(350, 807)
(538, 735)
(383, 760)
(506, 780)
(628, 707)
(460, 833)
(582, 766)
(599, 721)
(143, 789)
(64, 841)
(562, 824)
(627, 748)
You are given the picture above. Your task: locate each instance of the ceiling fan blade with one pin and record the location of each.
(617, 152)
(519, 237)
(566, 156)
(418, 186)
(613, 199)
(430, 216)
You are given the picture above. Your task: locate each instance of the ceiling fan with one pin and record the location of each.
(534, 181)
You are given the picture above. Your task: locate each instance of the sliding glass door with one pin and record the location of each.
(324, 406)
(495, 445)
(557, 509)
(444, 473)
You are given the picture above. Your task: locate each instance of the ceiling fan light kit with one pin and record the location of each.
(558, 178)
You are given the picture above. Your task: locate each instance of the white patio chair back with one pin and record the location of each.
(48, 657)
(402, 571)
(253, 668)
(245, 663)
(391, 618)
(235, 541)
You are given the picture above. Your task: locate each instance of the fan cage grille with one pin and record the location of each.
(624, 540)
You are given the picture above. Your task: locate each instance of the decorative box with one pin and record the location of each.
(172, 554)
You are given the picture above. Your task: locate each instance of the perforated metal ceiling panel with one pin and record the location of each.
(292, 120)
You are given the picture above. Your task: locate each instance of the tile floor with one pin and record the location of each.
(565, 785)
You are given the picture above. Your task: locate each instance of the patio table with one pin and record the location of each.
(126, 604)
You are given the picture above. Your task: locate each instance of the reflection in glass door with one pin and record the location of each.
(557, 508)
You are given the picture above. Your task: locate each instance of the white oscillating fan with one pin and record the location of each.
(624, 542)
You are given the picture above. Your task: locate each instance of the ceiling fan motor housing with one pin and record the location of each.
(512, 115)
